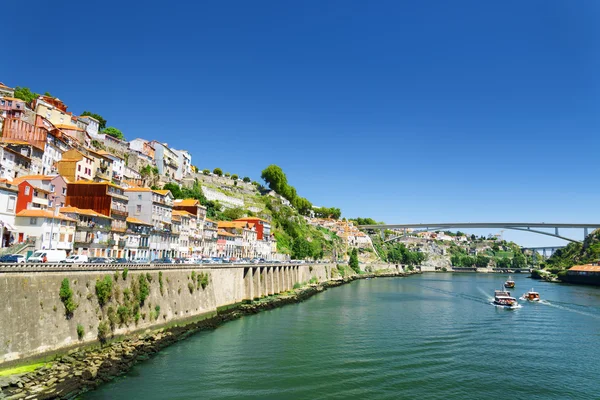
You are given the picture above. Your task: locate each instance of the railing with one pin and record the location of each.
(64, 267)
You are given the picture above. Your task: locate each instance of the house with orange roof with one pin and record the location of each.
(55, 111)
(56, 185)
(93, 231)
(138, 239)
(6, 91)
(76, 166)
(48, 228)
(11, 107)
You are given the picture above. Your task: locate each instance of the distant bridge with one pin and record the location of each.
(518, 226)
(544, 250)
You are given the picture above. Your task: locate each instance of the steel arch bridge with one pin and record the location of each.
(533, 227)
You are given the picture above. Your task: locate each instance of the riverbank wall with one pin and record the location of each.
(36, 322)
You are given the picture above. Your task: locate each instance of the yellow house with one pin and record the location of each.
(75, 166)
(54, 111)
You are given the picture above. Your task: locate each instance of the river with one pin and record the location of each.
(430, 336)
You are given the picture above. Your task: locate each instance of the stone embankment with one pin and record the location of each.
(81, 370)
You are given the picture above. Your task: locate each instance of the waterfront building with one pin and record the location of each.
(263, 227)
(31, 197)
(55, 185)
(48, 228)
(209, 238)
(93, 231)
(107, 199)
(138, 239)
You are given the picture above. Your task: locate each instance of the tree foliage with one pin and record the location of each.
(218, 171)
(354, 261)
(274, 176)
(400, 254)
(97, 117)
(246, 179)
(25, 94)
(114, 132)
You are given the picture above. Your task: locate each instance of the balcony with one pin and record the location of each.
(122, 244)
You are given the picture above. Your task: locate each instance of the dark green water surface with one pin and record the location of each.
(432, 336)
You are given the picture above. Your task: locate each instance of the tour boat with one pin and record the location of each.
(531, 296)
(503, 298)
(509, 283)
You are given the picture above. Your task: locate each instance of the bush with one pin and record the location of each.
(203, 279)
(206, 171)
(124, 274)
(191, 287)
(104, 290)
(66, 296)
(354, 261)
(116, 276)
(80, 331)
(160, 282)
(149, 277)
(218, 171)
(157, 309)
(103, 331)
(297, 285)
(112, 317)
(144, 289)
(444, 269)
(124, 314)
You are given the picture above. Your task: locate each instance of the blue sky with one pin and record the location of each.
(400, 111)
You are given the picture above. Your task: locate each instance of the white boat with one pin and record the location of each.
(502, 298)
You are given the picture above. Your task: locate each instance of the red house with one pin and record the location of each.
(31, 197)
(263, 228)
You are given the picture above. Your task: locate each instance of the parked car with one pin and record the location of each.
(76, 259)
(121, 260)
(164, 260)
(47, 256)
(12, 259)
(99, 260)
(139, 261)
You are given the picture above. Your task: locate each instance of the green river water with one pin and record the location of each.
(430, 336)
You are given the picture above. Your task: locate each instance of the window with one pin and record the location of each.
(32, 221)
(62, 237)
(139, 196)
(138, 209)
(50, 203)
(79, 168)
(54, 236)
(27, 190)
(10, 207)
(52, 188)
(70, 237)
(47, 235)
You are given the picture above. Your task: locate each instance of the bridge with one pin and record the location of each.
(533, 227)
(544, 250)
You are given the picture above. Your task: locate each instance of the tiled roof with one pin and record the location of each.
(184, 213)
(250, 219)
(43, 213)
(585, 268)
(20, 179)
(137, 221)
(225, 233)
(162, 192)
(82, 211)
(69, 127)
(138, 189)
(186, 202)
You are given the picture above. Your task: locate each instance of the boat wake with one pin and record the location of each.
(547, 303)
(507, 307)
(458, 294)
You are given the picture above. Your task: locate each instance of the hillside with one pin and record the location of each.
(576, 253)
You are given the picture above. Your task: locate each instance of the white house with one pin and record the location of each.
(185, 164)
(50, 230)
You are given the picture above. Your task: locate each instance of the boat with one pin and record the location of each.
(503, 298)
(531, 296)
(509, 283)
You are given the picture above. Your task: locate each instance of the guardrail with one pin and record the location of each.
(68, 267)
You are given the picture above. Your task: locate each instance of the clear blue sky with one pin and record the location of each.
(401, 111)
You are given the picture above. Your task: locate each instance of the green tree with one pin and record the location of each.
(234, 177)
(218, 171)
(227, 174)
(519, 260)
(354, 261)
(114, 132)
(234, 213)
(206, 171)
(301, 249)
(503, 263)
(246, 179)
(175, 190)
(467, 261)
(25, 94)
(456, 260)
(97, 117)
(302, 205)
(273, 175)
(481, 261)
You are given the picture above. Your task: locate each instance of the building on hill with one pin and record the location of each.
(48, 228)
(23, 131)
(107, 199)
(32, 197)
(34, 153)
(166, 160)
(6, 91)
(8, 206)
(184, 167)
(76, 166)
(55, 185)
(81, 137)
(209, 238)
(93, 231)
(102, 168)
(143, 146)
(89, 124)
(138, 239)
(14, 164)
(55, 111)
(154, 207)
(263, 227)
(11, 107)
(118, 166)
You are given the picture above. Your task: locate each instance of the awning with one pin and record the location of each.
(8, 226)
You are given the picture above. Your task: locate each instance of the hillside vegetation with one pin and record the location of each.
(576, 253)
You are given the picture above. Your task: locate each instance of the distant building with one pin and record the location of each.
(76, 166)
(184, 167)
(166, 160)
